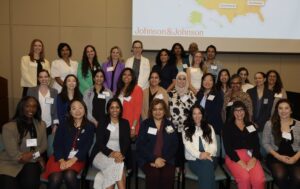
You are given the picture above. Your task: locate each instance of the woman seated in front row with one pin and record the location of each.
(71, 144)
(112, 148)
(200, 145)
(242, 149)
(157, 146)
(281, 139)
(24, 140)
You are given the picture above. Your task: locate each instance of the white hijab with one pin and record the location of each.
(182, 90)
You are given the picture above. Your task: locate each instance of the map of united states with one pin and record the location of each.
(230, 8)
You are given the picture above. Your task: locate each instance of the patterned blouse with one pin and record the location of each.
(179, 107)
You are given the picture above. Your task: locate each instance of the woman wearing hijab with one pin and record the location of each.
(181, 99)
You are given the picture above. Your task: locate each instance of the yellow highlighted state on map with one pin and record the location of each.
(233, 8)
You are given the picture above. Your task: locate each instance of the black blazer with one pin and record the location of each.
(146, 142)
(266, 104)
(102, 137)
(213, 109)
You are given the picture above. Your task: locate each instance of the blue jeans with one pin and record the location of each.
(205, 171)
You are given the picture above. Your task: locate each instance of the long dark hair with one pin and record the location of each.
(22, 120)
(219, 83)
(246, 70)
(70, 120)
(101, 71)
(190, 127)
(64, 91)
(278, 84)
(275, 120)
(173, 56)
(202, 89)
(157, 59)
(121, 84)
(235, 105)
(117, 100)
(85, 66)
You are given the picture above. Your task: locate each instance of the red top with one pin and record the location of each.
(132, 109)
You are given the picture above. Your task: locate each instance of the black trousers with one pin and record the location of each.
(28, 178)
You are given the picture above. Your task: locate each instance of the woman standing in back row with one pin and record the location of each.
(32, 64)
(63, 66)
(113, 68)
(87, 68)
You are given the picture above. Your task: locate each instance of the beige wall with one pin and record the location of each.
(102, 23)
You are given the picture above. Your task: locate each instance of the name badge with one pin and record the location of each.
(278, 95)
(169, 129)
(249, 152)
(127, 98)
(159, 96)
(152, 131)
(111, 128)
(102, 96)
(184, 66)
(266, 101)
(213, 67)
(184, 98)
(49, 100)
(31, 142)
(72, 153)
(250, 128)
(211, 97)
(106, 93)
(230, 104)
(36, 155)
(110, 69)
(287, 135)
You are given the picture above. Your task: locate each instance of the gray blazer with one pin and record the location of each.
(34, 91)
(268, 140)
(88, 99)
(9, 157)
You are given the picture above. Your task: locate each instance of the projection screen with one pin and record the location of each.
(231, 25)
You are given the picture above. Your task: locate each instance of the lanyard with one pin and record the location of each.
(74, 143)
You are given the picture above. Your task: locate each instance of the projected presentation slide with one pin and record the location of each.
(233, 25)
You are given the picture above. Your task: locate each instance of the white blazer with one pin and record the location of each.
(192, 148)
(144, 71)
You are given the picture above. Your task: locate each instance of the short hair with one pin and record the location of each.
(235, 105)
(44, 70)
(155, 102)
(137, 41)
(61, 46)
(211, 46)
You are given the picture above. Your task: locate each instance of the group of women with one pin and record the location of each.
(158, 118)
